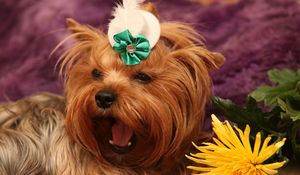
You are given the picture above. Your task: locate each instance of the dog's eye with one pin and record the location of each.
(142, 77)
(96, 74)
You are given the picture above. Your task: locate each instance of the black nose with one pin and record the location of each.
(105, 99)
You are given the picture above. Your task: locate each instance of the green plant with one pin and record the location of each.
(280, 114)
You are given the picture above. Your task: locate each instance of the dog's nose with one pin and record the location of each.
(105, 99)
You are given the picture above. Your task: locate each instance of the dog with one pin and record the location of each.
(113, 119)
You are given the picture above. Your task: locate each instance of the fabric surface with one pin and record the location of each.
(254, 36)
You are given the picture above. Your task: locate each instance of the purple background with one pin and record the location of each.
(254, 36)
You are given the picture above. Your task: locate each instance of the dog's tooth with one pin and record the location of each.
(111, 142)
(129, 144)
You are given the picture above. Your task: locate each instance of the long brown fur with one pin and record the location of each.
(165, 114)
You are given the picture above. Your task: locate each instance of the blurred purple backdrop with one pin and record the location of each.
(254, 36)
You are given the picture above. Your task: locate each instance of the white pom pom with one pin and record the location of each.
(129, 16)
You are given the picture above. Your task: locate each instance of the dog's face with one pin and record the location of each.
(145, 115)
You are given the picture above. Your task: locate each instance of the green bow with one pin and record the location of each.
(131, 50)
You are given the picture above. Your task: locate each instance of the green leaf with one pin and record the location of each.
(252, 115)
(289, 112)
(284, 76)
(233, 112)
(287, 82)
(283, 99)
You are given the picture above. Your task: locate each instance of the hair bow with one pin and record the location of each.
(131, 49)
(133, 32)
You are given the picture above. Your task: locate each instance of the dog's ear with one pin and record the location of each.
(184, 41)
(150, 7)
(72, 25)
(82, 32)
(85, 37)
(213, 60)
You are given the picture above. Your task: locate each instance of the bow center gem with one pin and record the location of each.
(131, 48)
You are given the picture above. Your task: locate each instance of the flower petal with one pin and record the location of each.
(232, 154)
(256, 147)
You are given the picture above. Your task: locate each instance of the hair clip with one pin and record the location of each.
(133, 32)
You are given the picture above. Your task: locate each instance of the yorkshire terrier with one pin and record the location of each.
(115, 119)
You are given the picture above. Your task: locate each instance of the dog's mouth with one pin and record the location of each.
(122, 137)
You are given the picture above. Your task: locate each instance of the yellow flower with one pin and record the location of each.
(232, 154)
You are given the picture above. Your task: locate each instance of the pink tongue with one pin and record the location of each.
(121, 134)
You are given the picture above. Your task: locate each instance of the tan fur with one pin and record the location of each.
(165, 114)
(33, 140)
